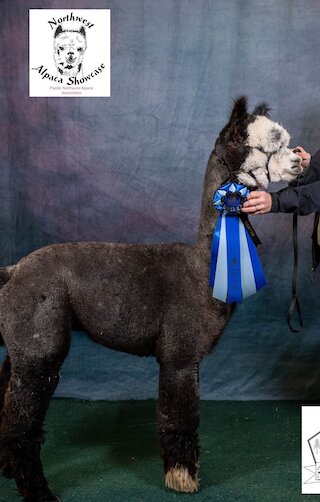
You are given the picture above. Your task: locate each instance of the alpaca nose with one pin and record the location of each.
(70, 53)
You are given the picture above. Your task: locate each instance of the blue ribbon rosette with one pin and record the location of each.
(235, 268)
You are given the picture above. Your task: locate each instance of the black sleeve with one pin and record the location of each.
(304, 198)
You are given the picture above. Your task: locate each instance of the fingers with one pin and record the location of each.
(301, 150)
(258, 202)
(305, 156)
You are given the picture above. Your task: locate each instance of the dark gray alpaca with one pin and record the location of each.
(148, 300)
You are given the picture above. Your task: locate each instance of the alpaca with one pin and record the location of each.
(148, 300)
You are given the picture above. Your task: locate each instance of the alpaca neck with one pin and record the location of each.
(217, 173)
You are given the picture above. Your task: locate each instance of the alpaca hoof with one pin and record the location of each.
(179, 479)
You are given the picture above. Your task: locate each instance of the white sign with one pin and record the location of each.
(69, 52)
(310, 445)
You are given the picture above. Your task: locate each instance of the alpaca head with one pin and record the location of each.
(69, 49)
(255, 148)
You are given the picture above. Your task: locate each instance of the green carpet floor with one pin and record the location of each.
(108, 451)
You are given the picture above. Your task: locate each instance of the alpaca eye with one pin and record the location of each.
(275, 134)
(61, 48)
(79, 49)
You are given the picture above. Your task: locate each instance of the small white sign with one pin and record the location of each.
(69, 52)
(310, 449)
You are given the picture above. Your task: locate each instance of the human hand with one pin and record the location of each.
(258, 202)
(306, 157)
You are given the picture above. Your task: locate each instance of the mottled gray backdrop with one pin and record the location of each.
(130, 168)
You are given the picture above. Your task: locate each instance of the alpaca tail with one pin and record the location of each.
(5, 275)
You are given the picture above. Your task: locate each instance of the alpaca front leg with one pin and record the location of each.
(178, 419)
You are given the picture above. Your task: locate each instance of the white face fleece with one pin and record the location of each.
(269, 159)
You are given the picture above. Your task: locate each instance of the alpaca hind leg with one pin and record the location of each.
(27, 398)
(5, 373)
(178, 419)
(35, 326)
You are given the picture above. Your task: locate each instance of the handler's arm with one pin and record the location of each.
(302, 199)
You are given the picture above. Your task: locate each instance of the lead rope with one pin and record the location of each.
(294, 305)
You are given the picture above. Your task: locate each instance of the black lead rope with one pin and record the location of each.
(294, 305)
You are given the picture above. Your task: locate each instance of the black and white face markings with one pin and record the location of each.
(269, 159)
(69, 48)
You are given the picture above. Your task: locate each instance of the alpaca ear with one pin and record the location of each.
(58, 31)
(239, 111)
(236, 125)
(238, 122)
(262, 109)
(82, 32)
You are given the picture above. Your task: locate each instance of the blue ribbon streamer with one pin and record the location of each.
(235, 268)
(214, 251)
(233, 257)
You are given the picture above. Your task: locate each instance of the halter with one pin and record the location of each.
(268, 155)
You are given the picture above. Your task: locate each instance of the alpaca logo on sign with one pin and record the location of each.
(69, 49)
